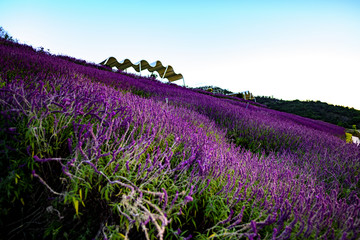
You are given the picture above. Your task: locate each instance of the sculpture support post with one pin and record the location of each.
(165, 73)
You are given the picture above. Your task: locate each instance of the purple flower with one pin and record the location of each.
(165, 198)
(116, 168)
(253, 226)
(188, 199)
(188, 237)
(127, 166)
(274, 233)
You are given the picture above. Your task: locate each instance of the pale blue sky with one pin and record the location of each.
(288, 49)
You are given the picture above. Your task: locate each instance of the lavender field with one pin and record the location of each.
(87, 153)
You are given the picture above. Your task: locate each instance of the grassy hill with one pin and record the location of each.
(87, 153)
(339, 115)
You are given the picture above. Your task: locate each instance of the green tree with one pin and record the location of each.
(4, 34)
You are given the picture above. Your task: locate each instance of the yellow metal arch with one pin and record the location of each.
(164, 71)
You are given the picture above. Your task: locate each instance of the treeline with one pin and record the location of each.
(5, 35)
(215, 89)
(339, 115)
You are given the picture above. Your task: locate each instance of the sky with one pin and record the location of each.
(306, 50)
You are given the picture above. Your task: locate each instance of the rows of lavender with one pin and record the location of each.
(88, 153)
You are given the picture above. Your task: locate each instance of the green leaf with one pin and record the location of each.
(76, 205)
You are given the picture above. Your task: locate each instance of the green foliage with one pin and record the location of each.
(153, 75)
(267, 141)
(140, 93)
(205, 211)
(348, 137)
(339, 115)
(14, 164)
(215, 89)
(2, 83)
(4, 34)
(18, 188)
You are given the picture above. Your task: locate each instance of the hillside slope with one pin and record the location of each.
(89, 153)
(342, 116)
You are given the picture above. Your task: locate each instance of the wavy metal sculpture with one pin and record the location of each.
(164, 71)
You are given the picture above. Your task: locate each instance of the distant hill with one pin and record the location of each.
(339, 115)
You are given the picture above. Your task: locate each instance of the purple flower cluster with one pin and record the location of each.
(273, 170)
